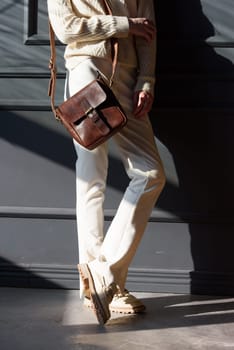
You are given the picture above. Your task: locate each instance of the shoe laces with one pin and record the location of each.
(120, 294)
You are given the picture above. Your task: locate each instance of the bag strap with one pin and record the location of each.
(52, 62)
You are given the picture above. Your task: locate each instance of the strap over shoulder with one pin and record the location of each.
(52, 62)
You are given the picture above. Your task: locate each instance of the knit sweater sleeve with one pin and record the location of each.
(70, 27)
(146, 52)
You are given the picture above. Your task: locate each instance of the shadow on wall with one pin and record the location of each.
(194, 120)
(39, 138)
(13, 275)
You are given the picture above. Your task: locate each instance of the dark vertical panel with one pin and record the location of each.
(193, 119)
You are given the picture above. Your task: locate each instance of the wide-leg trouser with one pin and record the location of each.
(112, 253)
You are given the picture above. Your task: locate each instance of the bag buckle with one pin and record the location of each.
(91, 113)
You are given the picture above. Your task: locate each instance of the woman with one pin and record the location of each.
(86, 27)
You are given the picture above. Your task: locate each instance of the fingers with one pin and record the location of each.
(142, 103)
(148, 30)
(142, 27)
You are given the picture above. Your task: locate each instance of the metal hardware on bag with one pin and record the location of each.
(89, 111)
(51, 64)
(58, 118)
(92, 113)
(100, 78)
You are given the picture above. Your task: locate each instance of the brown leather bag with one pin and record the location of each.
(93, 114)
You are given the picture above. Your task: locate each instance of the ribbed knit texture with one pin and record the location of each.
(85, 28)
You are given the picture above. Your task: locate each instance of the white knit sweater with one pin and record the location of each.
(85, 29)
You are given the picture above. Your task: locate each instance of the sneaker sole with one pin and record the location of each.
(101, 313)
(85, 282)
(125, 311)
(132, 311)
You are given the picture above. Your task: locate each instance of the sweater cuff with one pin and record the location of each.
(145, 84)
(122, 25)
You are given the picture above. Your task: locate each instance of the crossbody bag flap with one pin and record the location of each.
(83, 103)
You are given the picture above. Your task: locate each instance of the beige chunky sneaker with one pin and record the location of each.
(100, 294)
(124, 303)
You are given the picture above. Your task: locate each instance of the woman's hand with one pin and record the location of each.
(142, 27)
(142, 103)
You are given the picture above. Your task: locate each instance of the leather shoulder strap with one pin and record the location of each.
(52, 63)
(53, 70)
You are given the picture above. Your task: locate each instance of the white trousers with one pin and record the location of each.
(111, 253)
